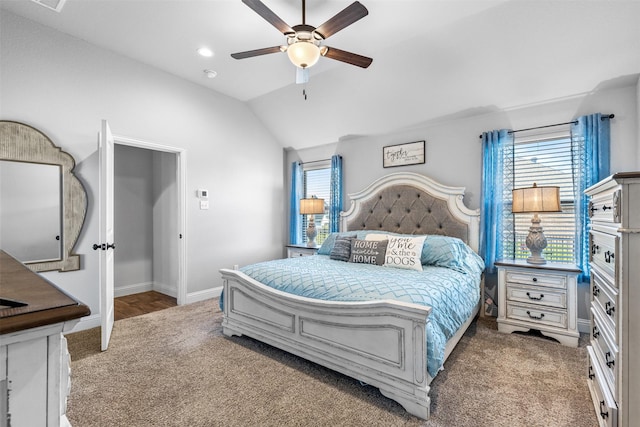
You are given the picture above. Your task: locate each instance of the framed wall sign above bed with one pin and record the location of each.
(390, 323)
(403, 154)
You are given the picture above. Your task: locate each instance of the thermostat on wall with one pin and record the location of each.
(203, 194)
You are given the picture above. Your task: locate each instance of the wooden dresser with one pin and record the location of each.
(614, 353)
(34, 361)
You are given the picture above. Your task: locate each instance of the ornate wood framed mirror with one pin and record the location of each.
(23, 144)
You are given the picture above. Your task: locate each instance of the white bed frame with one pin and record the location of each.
(382, 343)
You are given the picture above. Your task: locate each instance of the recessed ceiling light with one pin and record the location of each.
(210, 74)
(205, 51)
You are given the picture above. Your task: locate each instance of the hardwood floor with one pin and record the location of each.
(142, 303)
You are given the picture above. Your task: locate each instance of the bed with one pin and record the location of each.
(370, 333)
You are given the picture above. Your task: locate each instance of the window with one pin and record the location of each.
(548, 160)
(317, 182)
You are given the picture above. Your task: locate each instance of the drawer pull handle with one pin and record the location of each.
(609, 308)
(610, 363)
(592, 208)
(608, 256)
(535, 279)
(591, 374)
(594, 249)
(535, 298)
(535, 317)
(596, 291)
(596, 332)
(604, 415)
(605, 207)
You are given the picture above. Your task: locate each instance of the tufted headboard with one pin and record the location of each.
(411, 203)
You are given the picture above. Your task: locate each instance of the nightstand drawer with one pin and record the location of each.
(537, 279)
(537, 295)
(537, 315)
(298, 251)
(603, 251)
(603, 402)
(604, 298)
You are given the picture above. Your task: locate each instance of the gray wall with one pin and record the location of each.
(64, 87)
(146, 207)
(133, 220)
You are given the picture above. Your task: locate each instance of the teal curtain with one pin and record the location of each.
(494, 187)
(497, 156)
(335, 204)
(295, 219)
(590, 144)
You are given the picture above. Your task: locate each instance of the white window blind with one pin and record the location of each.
(547, 160)
(317, 182)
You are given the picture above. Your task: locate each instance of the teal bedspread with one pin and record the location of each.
(451, 293)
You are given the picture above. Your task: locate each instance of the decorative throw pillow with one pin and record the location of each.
(329, 242)
(342, 248)
(444, 251)
(404, 252)
(368, 252)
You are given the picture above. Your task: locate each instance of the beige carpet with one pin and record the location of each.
(175, 368)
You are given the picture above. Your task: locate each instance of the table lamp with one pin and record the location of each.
(312, 206)
(536, 200)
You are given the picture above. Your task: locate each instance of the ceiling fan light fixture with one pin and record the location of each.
(303, 54)
(210, 74)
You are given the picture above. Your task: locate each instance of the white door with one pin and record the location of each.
(106, 244)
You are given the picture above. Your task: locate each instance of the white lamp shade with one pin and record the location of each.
(311, 206)
(536, 199)
(303, 54)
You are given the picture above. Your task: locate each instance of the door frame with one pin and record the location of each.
(181, 185)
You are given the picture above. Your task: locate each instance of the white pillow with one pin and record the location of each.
(402, 252)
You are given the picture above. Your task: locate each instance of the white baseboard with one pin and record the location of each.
(166, 289)
(203, 295)
(88, 322)
(584, 326)
(136, 288)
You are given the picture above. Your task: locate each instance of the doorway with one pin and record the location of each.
(148, 216)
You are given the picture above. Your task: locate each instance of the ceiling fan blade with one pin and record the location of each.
(348, 16)
(256, 52)
(348, 57)
(262, 10)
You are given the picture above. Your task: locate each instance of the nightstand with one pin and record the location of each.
(541, 297)
(294, 251)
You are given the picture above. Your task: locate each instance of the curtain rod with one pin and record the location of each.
(315, 161)
(604, 117)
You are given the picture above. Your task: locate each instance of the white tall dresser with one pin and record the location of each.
(614, 353)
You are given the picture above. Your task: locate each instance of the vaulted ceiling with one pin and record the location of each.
(431, 58)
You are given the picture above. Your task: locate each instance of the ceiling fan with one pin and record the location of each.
(304, 42)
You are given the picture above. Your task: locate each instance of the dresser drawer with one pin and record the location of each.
(537, 279)
(535, 314)
(603, 253)
(604, 298)
(603, 402)
(605, 207)
(548, 297)
(605, 349)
